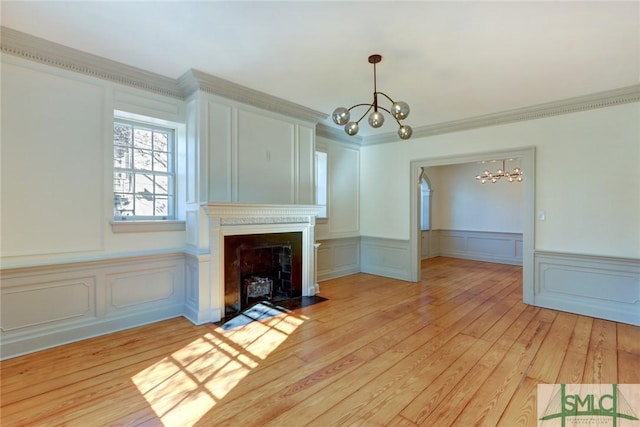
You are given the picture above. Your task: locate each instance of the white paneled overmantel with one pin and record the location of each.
(246, 219)
(239, 153)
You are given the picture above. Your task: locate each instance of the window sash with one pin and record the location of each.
(143, 171)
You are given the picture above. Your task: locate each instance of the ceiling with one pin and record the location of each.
(449, 60)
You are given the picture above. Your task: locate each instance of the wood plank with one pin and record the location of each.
(410, 376)
(457, 348)
(628, 338)
(628, 368)
(601, 366)
(522, 408)
(548, 360)
(483, 391)
(572, 369)
(488, 404)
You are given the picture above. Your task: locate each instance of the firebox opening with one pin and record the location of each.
(261, 267)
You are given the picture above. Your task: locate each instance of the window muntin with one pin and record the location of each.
(143, 171)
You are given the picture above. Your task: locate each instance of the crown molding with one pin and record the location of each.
(46, 52)
(594, 101)
(336, 134)
(36, 49)
(194, 80)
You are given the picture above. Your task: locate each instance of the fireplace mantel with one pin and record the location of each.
(239, 210)
(248, 214)
(235, 219)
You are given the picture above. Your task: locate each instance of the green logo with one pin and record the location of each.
(587, 404)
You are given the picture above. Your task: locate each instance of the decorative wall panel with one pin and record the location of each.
(338, 258)
(603, 287)
(141, 287)
(51, 305)
(385, 257)
(37, 304)
(503, 248)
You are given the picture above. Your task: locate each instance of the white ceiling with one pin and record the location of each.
(449, 59)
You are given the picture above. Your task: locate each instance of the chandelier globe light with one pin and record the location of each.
(514, 176)
(399, 110)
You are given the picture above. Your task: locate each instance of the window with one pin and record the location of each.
(143, 171)
(321, 183)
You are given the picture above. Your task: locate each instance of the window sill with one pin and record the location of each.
(146, 226)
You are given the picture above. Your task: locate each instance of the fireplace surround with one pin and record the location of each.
(235, 219)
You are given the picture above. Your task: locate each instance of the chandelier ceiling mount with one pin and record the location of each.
(399, 110)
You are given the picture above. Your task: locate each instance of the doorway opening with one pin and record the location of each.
(527, 161)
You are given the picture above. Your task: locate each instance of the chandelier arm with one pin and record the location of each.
(386, 96)
(360, 105)
(365, 113)
(369, 109)
(392, 116)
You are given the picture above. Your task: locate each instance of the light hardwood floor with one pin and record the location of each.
(457, 348)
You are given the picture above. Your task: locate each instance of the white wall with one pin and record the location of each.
(57, 136)
(460, 202)
(339, 234)
(587, 178)
(343, 162)
(67, 274)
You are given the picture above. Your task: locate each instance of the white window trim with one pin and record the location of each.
(143, 224)
(140, 226)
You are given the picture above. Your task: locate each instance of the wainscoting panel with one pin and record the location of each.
(503, 248)
(139, 288)
(338, 258)
(57, 301)
(603, 287)
(46, 306)
(386, 257)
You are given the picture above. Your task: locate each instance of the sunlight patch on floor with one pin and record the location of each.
(183, 387)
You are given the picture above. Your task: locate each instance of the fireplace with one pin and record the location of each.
(249, 245)
(261, 267)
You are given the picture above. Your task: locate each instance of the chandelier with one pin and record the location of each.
(514, 176)
(399, 110)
